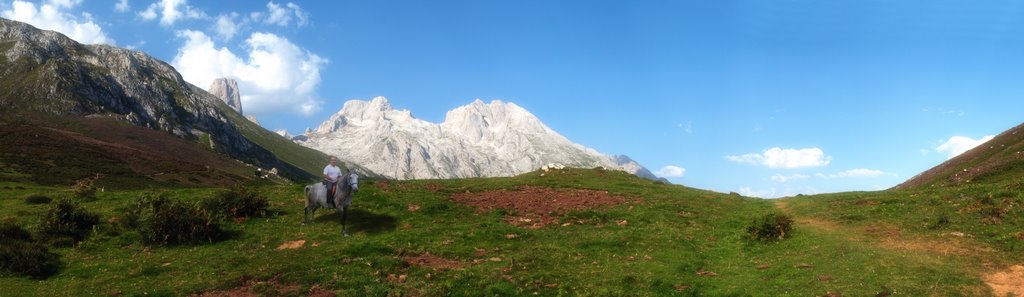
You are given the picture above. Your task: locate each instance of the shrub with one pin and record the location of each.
(236, 203)
(165, 221)
(20, 255)
(942, 221)
(769, 227)
(11, 231)
(37, 199)
(66, 222)
(86, 187)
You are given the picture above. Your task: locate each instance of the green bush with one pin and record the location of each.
(237, 203)
(66, 223)
(164, 221)
(771, 226)
(20, 255)
(37, 199)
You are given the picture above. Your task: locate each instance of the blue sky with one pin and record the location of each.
(765, 98)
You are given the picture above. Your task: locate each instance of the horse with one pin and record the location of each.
(316, 197)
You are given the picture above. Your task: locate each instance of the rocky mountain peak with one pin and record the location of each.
(475, 140)
(227, 89)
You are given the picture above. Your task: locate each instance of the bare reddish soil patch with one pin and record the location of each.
(432, 261)
(253, 288)
(537, 207)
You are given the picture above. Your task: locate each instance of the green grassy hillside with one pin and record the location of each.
(994, 161)
(428, 238)
(57, 151)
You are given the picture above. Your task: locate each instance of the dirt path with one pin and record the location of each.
(1004, 281)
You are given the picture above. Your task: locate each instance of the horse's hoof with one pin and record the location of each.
(344, 234)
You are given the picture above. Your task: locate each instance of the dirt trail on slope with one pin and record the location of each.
(1003, 282)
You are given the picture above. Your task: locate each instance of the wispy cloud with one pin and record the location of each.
(786, 178)
(859, 172)
(784, 158)
(171, 11)
(688, 127)
(226, 27)
(122, 6)
(55, 15)
(671, 171)
(282, 15)
(957, 145)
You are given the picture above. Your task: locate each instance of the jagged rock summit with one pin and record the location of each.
(476, 140)
(227, 89)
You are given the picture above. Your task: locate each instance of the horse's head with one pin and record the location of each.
(352, 180)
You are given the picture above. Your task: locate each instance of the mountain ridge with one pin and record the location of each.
(46, 72)
(475, 140)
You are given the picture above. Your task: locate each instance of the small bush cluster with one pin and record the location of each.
(21, 255)
(65, 223)
(991, 210)
(37, 199)
(771, 226)
(86, 187)
(165, 221)
(237, 203)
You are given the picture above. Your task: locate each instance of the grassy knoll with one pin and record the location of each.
(411, 238)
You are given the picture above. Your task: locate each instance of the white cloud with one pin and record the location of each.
(171, 11)
(785, 158)
(275, 76)
(957, 145)
(785, 178)
(776, 193)
(52, 16)
(282, 15)
(226, 27)
(671, 171)
(122, 6)
(859, 172)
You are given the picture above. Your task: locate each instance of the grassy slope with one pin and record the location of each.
(51, 150)
(671, 236)
(304, 158)
(991, 162)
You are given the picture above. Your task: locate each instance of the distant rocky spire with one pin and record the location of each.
(227, 89)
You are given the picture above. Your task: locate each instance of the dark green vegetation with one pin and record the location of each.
(771, 226)
(20, 255)
(411, 238)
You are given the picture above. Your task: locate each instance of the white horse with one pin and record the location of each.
(316, 197)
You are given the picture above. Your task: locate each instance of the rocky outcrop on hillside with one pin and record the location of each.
(475, 140)
(227, 89)
(46, 72)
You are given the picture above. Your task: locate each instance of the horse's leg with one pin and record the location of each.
(343, 213)
(305, 213)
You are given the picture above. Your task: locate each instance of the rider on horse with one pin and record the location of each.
(331, 175)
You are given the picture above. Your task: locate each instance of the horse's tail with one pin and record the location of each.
(308, 188)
